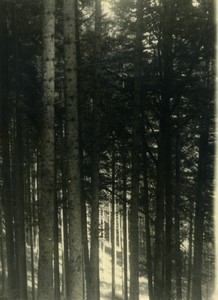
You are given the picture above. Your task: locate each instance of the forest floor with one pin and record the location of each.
(106, 279)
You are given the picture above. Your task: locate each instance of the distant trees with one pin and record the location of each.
(106, 147)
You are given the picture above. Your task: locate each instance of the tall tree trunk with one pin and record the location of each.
(65, 232)
(190, 252)
(19, 173)
(113, 228)
(73, 154)
(125, 237)
(56, 233)
(168, 222)
(94, 250)
(46, 200)
(199, 210)
(162, 279)
(147, 224)
(4, 140)
(134, 242)
(2, 252)
(178, 267)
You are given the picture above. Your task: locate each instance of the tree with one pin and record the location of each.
(73, 154)
(46, 201)
(94, 247)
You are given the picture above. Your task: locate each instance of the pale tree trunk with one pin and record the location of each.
(75, 273)
(46, 200)
(113, 229)
(133, 219)
(94, 250)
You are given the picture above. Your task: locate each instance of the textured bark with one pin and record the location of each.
(94, 250)
(75, 274)
(46, 200)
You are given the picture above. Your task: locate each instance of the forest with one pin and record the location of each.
(107, 146)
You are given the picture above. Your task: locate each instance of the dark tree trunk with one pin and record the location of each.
(178, 266)
(2, 252)
(5, 148)
(19, 179)
(147, 224)
(56, 233)
(169, 222)
(190, 252)
(125, 236)
(162, 276)
(94, 251)
(133, 220)
(113, 222)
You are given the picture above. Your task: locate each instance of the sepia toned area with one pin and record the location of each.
(107, 150)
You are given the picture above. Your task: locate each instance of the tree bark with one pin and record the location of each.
(94, 249)
(46, 200)
(75, 273)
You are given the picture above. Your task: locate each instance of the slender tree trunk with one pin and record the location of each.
(113, 226)
(190, 252)
(73, 154)
(169, 222)
(2, 252)
(162, 276)
(65, 232)
(178, 267)
(56, 234)
(147, 226)
(4, 139)
(125, 238)
(199, 210)
(19, 179)
(46, 200)
(30, 196)
(134, 242)
(94, 251)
